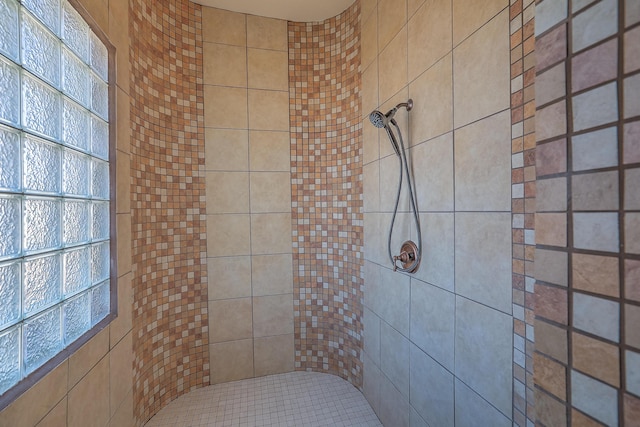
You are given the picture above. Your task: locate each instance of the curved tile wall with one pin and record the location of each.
(326, 188)
(170, 324)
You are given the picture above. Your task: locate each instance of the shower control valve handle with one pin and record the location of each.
(404, 258)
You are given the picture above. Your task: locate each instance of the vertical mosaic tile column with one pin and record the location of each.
(170, 321)
(523, 179)
(587, 355)
(326, 174)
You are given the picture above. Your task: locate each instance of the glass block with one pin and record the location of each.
(42, 339)
(75, 125)
(75, 77)
(99, 57)
(100, 261)
(76, 270)
(100, 221)
(40, 50)
(9, 92)
(75, 31)
(41, 170)
(9, 358)
(100, 302)
(99, 138)
(75, 222)
(41, 229)
(48, 11)
(10, 219)
(76, 317)
(41, 107)
(10, 164)
(9, 32)
(75, 173)
(10, 293)
(41, 283)
(99, 97)
(100, 179)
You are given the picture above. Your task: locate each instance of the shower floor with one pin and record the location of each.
(296, 399)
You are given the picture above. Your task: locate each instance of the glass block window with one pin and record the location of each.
(54, 183)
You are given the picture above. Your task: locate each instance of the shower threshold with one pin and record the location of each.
(296, 399)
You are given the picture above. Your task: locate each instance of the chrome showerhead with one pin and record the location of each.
(380, 120)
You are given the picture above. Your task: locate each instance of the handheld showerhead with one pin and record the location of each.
(380, 120)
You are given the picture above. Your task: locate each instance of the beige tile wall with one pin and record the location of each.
(454, 62)
(93, 386)
(248, 195)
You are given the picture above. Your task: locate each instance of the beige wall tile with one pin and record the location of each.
(370, 142)
(632, 233)
(433, 173)
(34, 404)
(369, 40)
(123, 182)
(631, 189)
(596, 358)
(89, 399)
(87, 356)
(468, 19)
(229, 320)
(123, 323)
(413, 6)
(553, 267)
(120, 372)
(269, 151)
(270, 192)
(272, 274)
(371, 187)
(486, 53)
(483, 164)
(270, 233)
(229, 277)
(393, 66)
(124, 414)
(268, 69)
(369, 91)
(99, 11)
(228, 235)
(553, 340)
(429, 36)
(402, 118)
(551, 194)
(273, 355)
(226, 149)
(57, 417)
(231, 361)
(595, 191)
(225, 107)
(221, 26)
(123, 227)
(268, 110)
(272, 315)
(552, 120)
(551, 229)
(393, 16)
(225, 65)
(430, 118)
(119, 37)
(123, 124)
(227, 192)
(632, 320)
(267, 33)
(550, 375)
(551, 85)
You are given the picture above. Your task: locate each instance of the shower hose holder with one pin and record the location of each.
(409, 257)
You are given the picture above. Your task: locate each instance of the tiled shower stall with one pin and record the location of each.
(254, 199)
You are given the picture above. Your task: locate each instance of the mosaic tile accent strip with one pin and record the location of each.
(327, 210)
(170, 326)
(523, 194)
(587, 348)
